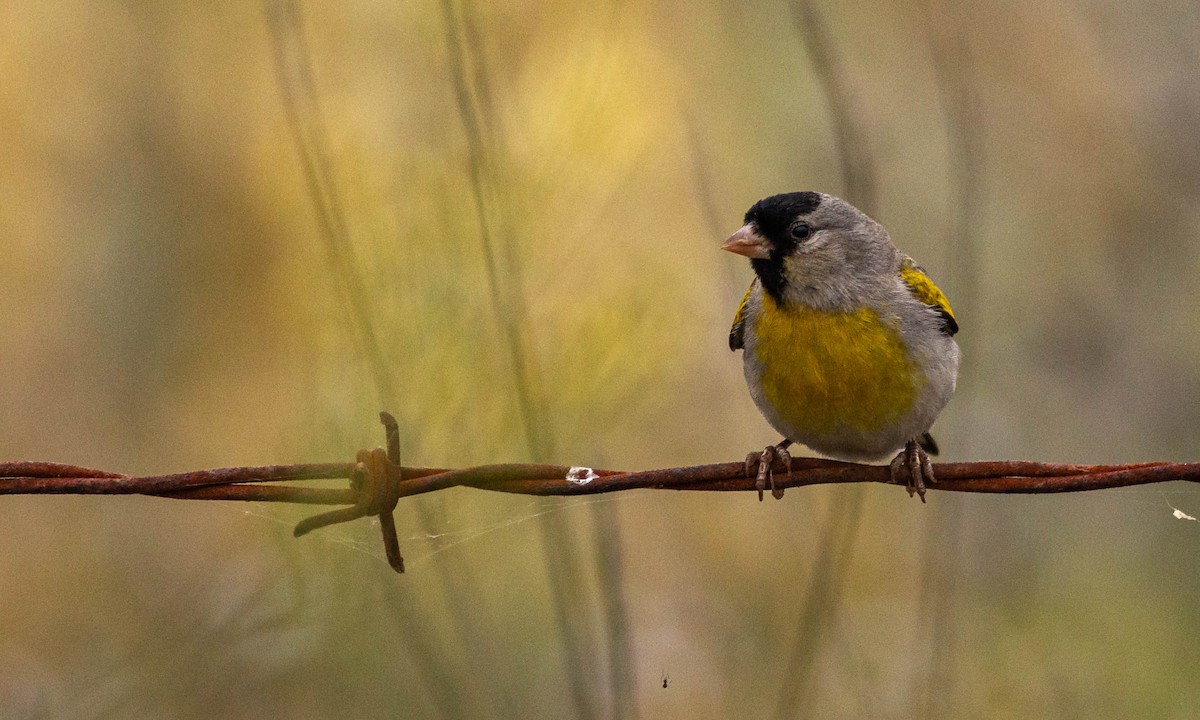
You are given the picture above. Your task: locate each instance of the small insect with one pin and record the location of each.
(666, 680)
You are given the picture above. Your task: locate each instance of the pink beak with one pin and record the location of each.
(748, 242)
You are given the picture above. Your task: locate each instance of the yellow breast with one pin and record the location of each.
(827, 371)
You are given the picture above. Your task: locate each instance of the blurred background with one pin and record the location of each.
(232, 233)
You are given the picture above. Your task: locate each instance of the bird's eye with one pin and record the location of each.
(801, 230)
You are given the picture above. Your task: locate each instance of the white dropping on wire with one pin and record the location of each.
(581, 475)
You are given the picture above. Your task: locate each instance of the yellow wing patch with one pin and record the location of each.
(925, 291)
(739, 320)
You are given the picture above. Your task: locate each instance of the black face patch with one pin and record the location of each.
(775, 214)
(773, 217)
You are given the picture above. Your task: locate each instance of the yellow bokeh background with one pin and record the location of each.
(557, 178)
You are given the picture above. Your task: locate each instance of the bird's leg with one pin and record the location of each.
(912, 468)
(765, 460)
(781, 452)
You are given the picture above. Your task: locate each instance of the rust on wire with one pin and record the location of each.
(377, 481)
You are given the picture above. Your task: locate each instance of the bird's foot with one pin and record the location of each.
(765, 460)
(913, 469)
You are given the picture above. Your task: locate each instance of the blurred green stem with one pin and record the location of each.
(837, 549)
(564, 570)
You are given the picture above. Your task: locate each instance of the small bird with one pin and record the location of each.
(848, 346)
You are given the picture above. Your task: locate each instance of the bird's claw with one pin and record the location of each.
(765, 476)
(913, 469)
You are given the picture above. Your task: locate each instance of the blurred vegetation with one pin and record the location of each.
(171, 303)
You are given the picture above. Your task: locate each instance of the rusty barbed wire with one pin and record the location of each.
(377, 482)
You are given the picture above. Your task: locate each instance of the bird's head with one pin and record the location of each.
(813, 248)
